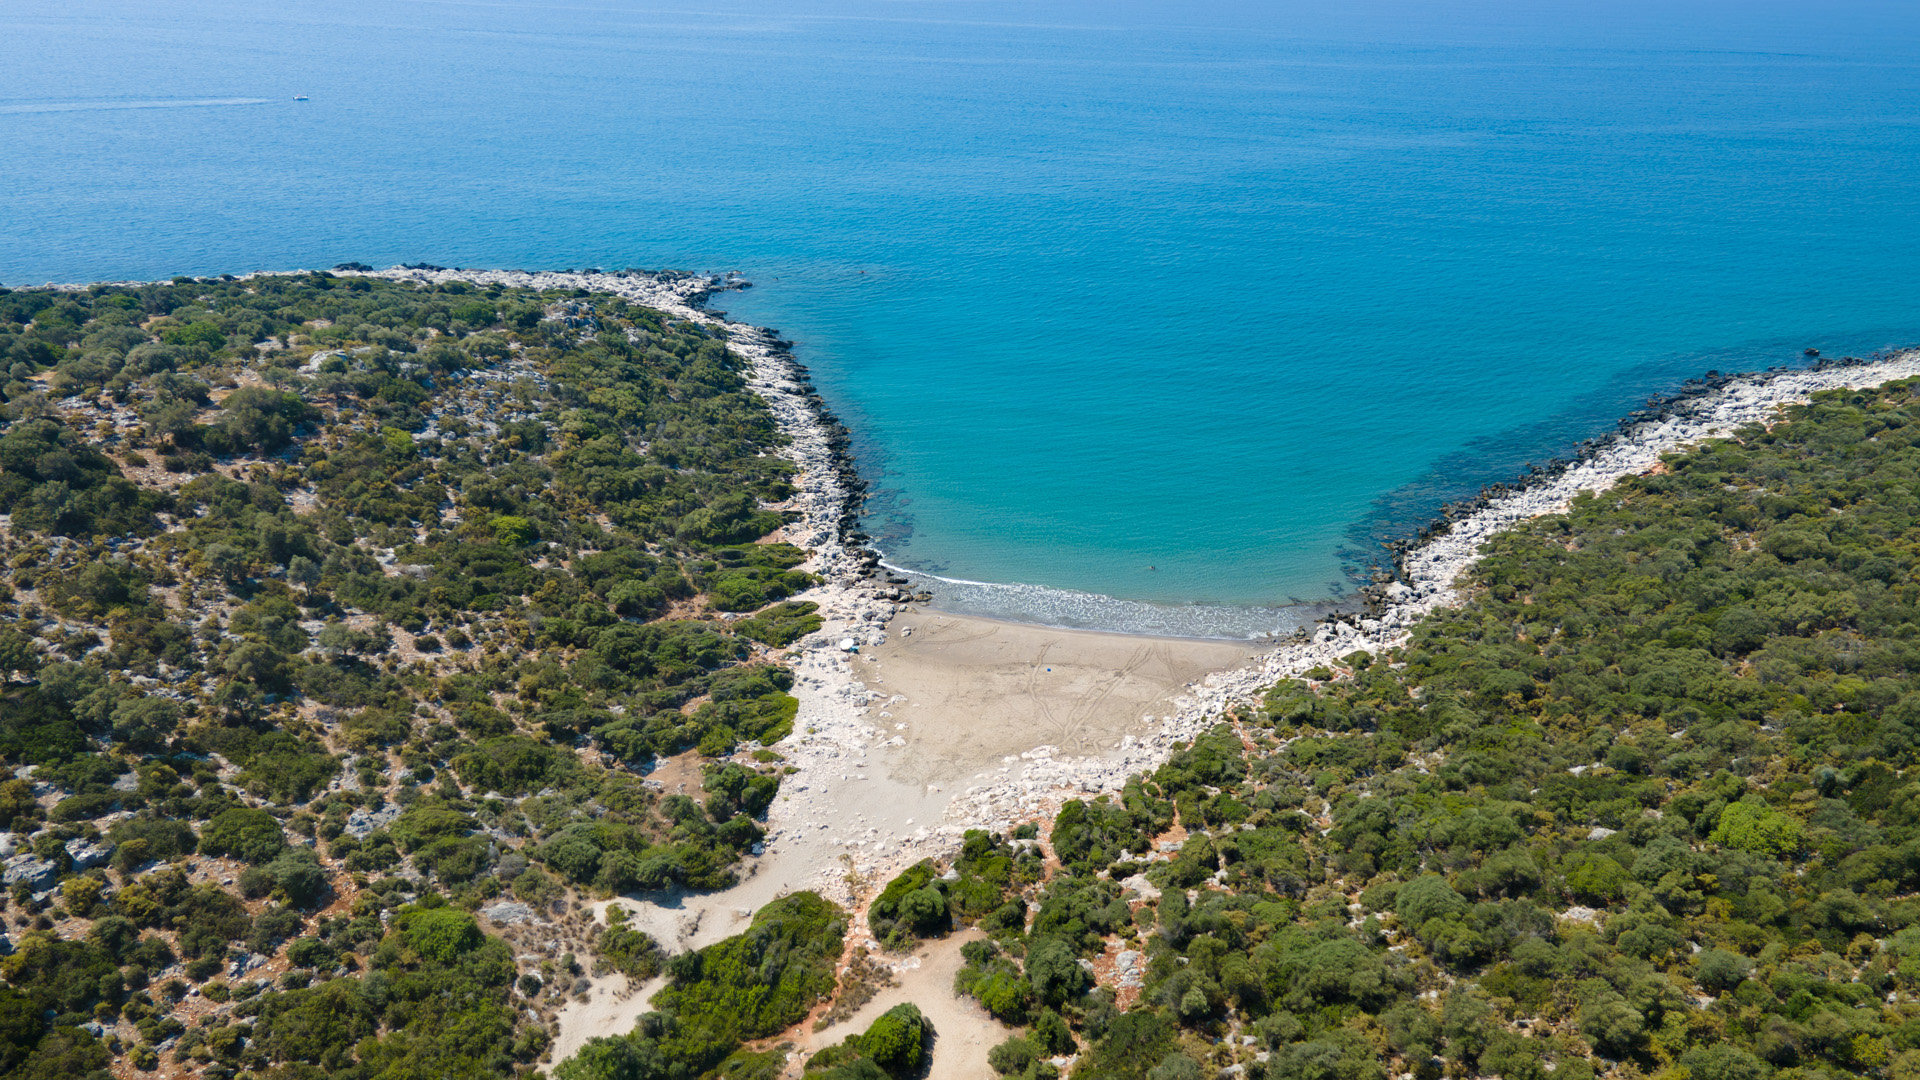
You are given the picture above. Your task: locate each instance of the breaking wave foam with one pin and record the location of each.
(1074, 610)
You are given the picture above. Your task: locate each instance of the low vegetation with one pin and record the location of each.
(1642, 807)
(896, 1046)
(343, 622)
(347, 618)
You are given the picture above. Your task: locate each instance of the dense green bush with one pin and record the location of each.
(735, 789)
(255, 418)
(912, 905)
(898, 1044)
(441, 1006)
(56, 483)
(251, 835)
(627, 950)
(62, 980)
(996, 981)
(781, 624)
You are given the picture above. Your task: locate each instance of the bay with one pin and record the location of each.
(1147, 316)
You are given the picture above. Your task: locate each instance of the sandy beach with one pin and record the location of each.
(967, 694)
(939, 703)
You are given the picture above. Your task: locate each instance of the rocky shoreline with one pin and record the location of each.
(857, 601)
(833, 728)
(1428, 572)
(1695, 399)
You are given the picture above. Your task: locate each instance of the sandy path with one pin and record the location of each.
(931, 711)
(958, 699)
(963, 1031)
(611, 1008)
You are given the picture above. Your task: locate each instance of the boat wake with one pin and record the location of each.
(90, 106)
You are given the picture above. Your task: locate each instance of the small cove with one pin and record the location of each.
(1147, 323)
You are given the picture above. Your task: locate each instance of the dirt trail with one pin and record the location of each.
(963, 1032)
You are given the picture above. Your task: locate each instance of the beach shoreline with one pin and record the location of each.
(1430, 571)
(1072, 609)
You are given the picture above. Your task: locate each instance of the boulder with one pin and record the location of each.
(363, 821)
(248, 963)
(88, 854)
(506, 912)
(28, 870)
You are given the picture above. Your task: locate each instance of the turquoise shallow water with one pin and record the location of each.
(1161, 312)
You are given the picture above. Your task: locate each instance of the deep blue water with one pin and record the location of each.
(1224, 290)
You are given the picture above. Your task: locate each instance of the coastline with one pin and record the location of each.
(852, 814)
(833, 726)
(1069, 609)
(1431, 570)
(829, 726)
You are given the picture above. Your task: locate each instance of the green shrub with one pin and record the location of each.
(749, 986)
(996, 982)
(914, 904)
(439, 935)
(250, 835)
(1596, 879)
(298, 874)
(782, 624)
(1132, 1046)
(1013, 1057)
(899, 1040)
(629, 951)
(255, 418)
(1757, 829)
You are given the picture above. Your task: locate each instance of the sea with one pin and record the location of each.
(1147, 317)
